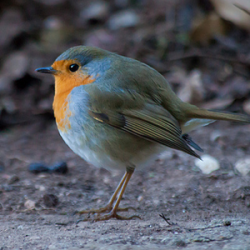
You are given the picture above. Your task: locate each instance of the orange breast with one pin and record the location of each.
(62, 111)
(64, 83)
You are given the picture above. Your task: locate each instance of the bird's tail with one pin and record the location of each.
(196, 117)
(218, 115)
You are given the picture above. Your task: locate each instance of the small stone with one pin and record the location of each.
(243, 166)
(31, 238)
(140, 198)
(50, 200)
(208, 164)
(227, 223)
(59, 167)
(40, 187)
(38, 167)
(29, 204)
(13, 179)
(180, 243)
(20, 227)
(123, 19)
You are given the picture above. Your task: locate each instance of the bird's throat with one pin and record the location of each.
(63, 87)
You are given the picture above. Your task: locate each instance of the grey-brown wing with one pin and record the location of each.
(148, 125)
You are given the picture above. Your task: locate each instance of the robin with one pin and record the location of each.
(118, 113)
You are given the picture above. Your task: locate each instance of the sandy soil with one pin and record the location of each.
(204, 211)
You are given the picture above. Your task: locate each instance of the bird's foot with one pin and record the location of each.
(113, 214)
(108, 216)
(105, 209)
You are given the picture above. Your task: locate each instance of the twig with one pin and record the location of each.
(166, 219)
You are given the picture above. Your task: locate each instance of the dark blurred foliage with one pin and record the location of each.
(205, 58)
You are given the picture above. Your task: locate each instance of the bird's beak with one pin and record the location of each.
(47, 70)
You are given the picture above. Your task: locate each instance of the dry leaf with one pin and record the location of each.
(206, 28)
(236, 11)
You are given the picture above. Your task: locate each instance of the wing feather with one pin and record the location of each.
(147, 125)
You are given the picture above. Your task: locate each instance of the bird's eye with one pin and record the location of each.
(73, 67)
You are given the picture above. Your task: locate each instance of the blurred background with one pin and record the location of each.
(201, 47)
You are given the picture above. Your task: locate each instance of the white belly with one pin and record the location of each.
(99, 158)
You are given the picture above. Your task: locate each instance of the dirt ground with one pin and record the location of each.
(205, 66)
(204, 211)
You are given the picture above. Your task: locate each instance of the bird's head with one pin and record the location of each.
(77, 66)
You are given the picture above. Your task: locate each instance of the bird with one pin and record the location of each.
(119, 113)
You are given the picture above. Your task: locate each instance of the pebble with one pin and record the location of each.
(31, 238)
(140, 198)
(39, 167)
(50, 200)
(243, 166)
(123, 19)
(227, 223)
(180, 243)
(30, 204)
(13, 179)
(40, 187)
(59, 167)
(208, 164)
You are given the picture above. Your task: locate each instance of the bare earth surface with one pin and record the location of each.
(204, 211)
(207, 62)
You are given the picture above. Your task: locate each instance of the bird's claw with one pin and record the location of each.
(105, 209)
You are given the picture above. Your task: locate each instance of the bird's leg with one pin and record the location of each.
(113, 212)
(109, 206)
